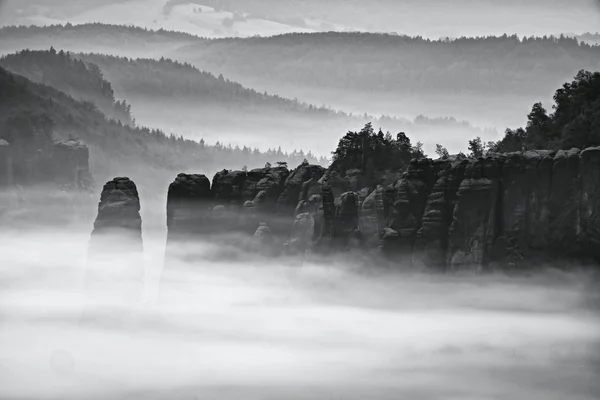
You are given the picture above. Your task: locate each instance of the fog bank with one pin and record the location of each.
(260, 329)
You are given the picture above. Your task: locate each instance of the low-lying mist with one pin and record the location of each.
(246, 327)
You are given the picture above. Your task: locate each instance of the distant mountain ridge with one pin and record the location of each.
(360, 61)
(116, 148)
(83, 81)
(166, 93)
(381, 62)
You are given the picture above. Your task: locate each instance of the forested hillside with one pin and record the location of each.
(487, 81)
(82, 81)
(121, 40)
(589, 38)
(167, 78)
(117, 149)
(361, 61)
(172, 95)
(389, 63)
(574, 122)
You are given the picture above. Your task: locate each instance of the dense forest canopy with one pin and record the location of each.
(374, 153)
(177, 97)
(130, 41)
(116, 148)
(574, 122)
(391, 63)
(354, 61)
(81, 80)
(169, 78)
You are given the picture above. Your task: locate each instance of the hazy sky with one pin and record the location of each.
(432, 18)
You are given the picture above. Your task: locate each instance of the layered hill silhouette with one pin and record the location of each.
(177, 97)
(115, 148)
(351, 60)
(119, 40)
(381, 62)
(489, 81)
(82, 81)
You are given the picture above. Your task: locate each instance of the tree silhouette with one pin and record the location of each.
(476, 148)
(575, 121)
(441, 151)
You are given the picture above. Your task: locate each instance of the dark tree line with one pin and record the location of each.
(412, 65)
(374, 153)
(81, 80)
(574, 122)
(181, 84)
(28, 110)
(358, 61)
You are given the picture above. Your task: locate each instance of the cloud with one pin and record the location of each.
(233, 326)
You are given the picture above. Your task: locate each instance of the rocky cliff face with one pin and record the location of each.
(119, 215)
(511, 211)
(64, 163)
(115, 260)
(508, 211)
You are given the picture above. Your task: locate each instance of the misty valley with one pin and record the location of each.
(222, 199)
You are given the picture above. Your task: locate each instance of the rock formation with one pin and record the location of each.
(511, 211)
(188, 207)
(506, 211)
(115, 263)
(65, 163)
(119, 217)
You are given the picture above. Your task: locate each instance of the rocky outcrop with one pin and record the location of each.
(118, 222)
(298, 186)
(473, 227)
(589, 202)
(188, 207)
(432, 237)
(410, 196)
(70, 163)
(115, 262)
(258, 205)
(6, 164)
(508, 211)
(512, 211)
(64, 163)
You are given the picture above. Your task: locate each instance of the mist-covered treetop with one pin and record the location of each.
(573, 123)
(81, 80)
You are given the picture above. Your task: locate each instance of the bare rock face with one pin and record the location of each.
(115, 261)
(431, 245)
(389, 244)
(510, 211)
(118, 222)
(564, 204)
(502, 211)
(372, 218)
(294, 188)
(263, 241)
(188, 206)
(473, 229)
(346, 222)
(302, 235)
(248, 196)
(589, 203)
(70, 163)
(411, 193)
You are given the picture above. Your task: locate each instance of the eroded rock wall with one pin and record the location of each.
(508, 211)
